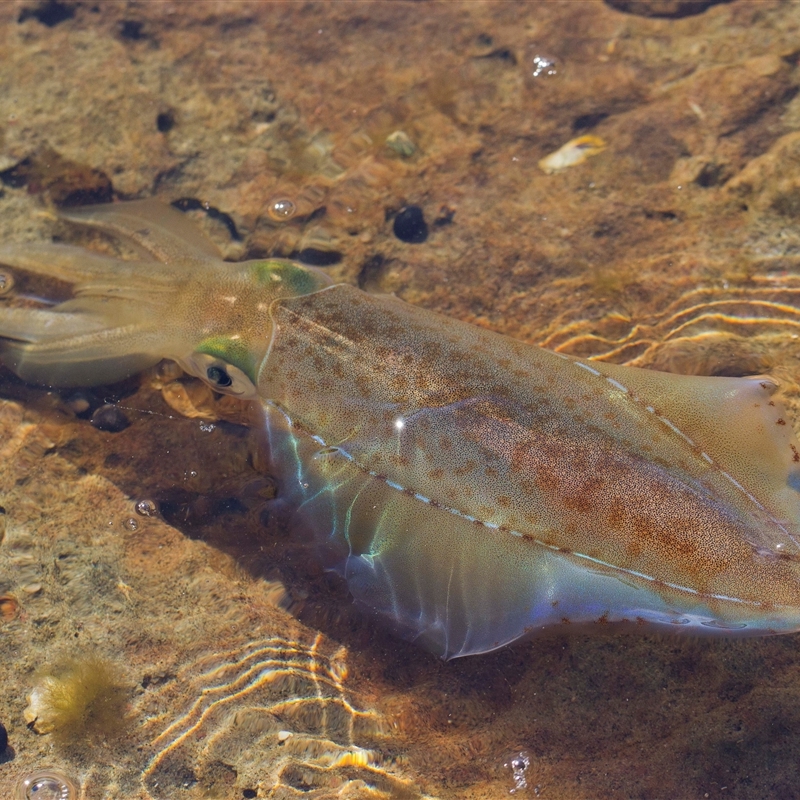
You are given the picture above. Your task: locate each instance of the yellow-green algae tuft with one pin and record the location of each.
(78, 699)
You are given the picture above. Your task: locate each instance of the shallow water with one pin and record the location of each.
(304, 129)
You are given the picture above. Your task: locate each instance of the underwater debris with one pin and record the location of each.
(80, 698)
(574, 152)
(46, 784)
(400, 143)
(9, 609)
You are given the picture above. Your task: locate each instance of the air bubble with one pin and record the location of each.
(282, 209)
(130, 524)
(46, 784)
(146, 508)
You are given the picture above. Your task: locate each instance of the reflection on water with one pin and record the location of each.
(276, 709)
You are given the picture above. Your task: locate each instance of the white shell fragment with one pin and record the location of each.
(572, 153)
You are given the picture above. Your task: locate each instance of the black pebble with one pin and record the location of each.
(131, 29)
(318, 258)
(165, 121)
(410, 225)
(110, 419)
(49, 13)
(3, 738)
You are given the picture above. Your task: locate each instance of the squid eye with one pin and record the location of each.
(218, 376)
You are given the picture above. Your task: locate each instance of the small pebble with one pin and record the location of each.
(82, 402)
(110, 419)
(401, 143)
(165, 121)
(410, 225)
(3, 738)
(2, 524)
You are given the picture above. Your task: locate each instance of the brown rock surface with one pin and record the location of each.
(676, 246)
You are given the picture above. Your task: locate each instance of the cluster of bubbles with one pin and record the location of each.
(543, 66)
(519, 764)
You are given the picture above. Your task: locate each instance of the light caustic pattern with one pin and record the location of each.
(273, 714)
(768, 307)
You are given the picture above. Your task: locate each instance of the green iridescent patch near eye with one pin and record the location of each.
(293, 279)
(231, 351)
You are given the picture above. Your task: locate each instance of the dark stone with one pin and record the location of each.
(249, 793)
(165, 121)
(318, 258)
(49, 13)
(669, 9)
(3, 738)
(410, 225)
(586, 121)
(502, 54)
(713, 175)
(132, 30)
(15, 176)
(110, 419)
(445, 217)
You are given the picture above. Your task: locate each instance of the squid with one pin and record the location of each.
(471, 489)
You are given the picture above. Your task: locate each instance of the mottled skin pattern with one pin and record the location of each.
(471, 489)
